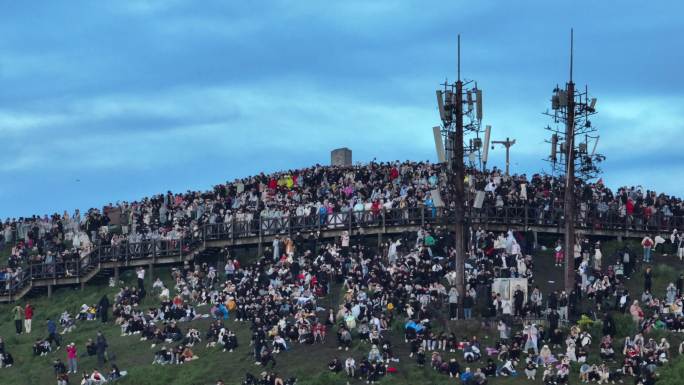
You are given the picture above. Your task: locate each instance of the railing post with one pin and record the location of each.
(525, 208)
(422, 216)
(261, 246)
(351, 218)
(232, 229)
(383, 213)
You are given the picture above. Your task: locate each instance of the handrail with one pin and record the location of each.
(511, 215)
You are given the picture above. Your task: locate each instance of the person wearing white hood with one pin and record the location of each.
(392, 254)
(598, 256)
(510, 240)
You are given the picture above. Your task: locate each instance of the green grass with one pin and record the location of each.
(5, 252)
(307, 363)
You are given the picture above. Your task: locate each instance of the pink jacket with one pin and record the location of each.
(71, 351)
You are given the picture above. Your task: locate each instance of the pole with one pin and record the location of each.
(508, 162)
(507, 143)
(459, 193)
(569, 208)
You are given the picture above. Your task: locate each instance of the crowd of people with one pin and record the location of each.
(57, 244)
(285, 295)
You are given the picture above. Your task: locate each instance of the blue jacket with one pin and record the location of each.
(52, 327)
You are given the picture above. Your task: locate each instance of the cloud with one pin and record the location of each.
(109, 93)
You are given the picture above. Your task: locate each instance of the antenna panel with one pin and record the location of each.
(440, 105)
(439, 144)
(479, 104)
(485, 150)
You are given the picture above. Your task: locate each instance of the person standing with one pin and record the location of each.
(453, 303)
(648, 279)
(468, 303)
(28, 316)
(72, 353)
(52, 333)
(18, 312)
(103, 308)
(563, 303)
(598, 256)
(518, 301)
(647, 244)
(101, 348)
(141, 277)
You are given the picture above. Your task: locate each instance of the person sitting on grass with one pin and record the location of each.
(467, 376)
(420, 357)
(454, 368)
(186, 355)
(228, 339)
(607, 352)
(163, 357)
(508, 368)
(58, 367)
(41, 347)
(344, 338)
(530, 369)
(63, 379)
(95, 378)
(265, 357)
(374, 354)
(91, 348)
(335, 365)
(115, 373)
(279, 344)
(350, 367)
(6, 360)
(67, 323)
(193, 337)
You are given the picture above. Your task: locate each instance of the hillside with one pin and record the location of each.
(307, 363)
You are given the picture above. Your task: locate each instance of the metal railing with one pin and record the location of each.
(514, 216)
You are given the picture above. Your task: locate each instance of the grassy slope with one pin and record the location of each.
(305, 362)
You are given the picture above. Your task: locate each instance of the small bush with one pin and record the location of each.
(624, 325)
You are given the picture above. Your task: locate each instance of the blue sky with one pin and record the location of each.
(115, 100)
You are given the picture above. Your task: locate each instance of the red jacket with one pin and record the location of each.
(71, 351)
(629, 207)
(394, 173)
(28, 312)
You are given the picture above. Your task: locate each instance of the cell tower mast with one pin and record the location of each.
(570, 157)
(460, 110)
